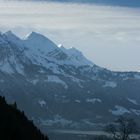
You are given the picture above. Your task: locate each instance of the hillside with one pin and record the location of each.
(14, 125)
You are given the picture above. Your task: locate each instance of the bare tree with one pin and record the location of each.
(122, 128)
(111, 128)
(127, 126)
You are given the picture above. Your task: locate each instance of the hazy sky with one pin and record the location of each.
(107, 35)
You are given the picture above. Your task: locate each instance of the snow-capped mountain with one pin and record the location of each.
(43, 48)
(60, 88)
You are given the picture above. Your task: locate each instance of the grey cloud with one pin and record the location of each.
(105, 34)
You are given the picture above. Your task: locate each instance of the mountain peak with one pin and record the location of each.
(34, 35)
(37, 41)
(39, 45)
(9, 33)
(11, 36)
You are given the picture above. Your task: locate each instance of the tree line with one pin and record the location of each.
(14, 125)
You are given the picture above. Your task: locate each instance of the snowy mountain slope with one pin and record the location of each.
(12, 55)
(39, 42)
(50, 83)
(43, 48)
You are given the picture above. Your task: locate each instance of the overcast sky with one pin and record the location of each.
(107, 35)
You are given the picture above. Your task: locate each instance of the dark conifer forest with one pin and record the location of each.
(14, 125)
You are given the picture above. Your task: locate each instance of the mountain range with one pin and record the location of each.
(59, 88)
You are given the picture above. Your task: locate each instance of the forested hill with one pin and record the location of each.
(14, 125)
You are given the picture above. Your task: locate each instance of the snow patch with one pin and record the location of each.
(56, 120)
(42, 103)
(55, 79)
(94, 100)
(137, 112)
(34, 82)
(76, 80)
(6, 68)
(136, 76)
(86, 121)
(54, 67)
(110, 84)
(119, 110)
(19, 68)
(77, 101)
(41, 71)
(132, 101)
